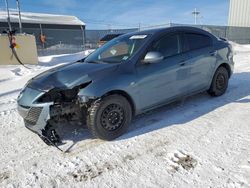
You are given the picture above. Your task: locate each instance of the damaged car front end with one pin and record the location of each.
(43, 110)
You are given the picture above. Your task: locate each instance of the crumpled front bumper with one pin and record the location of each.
(35, 114)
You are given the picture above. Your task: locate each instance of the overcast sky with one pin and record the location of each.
(103, 14)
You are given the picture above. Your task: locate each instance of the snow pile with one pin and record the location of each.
(240, 48)
(200, 142)
(65, 58)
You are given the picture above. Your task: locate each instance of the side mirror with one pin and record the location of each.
(153, 57)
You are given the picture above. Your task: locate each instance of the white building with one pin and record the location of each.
(239, 13)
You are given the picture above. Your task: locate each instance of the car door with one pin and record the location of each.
(162, 81)
(201, 59)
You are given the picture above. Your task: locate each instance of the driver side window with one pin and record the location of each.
(167, 45)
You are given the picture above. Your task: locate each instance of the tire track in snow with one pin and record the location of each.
(118, 160)
(176, 161)
(94, 169)
(9, 101)
(7, 112)
(9, 106)
(86, 145)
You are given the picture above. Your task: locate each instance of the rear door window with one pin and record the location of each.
(195, 41)
(167, 45)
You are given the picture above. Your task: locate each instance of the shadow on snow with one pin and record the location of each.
(176, 113)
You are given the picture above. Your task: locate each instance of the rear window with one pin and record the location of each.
(196, 41)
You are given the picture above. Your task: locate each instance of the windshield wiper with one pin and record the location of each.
(95, 62)
(98, 62)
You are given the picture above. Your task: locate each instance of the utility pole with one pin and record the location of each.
(170, 23)
(195, 14)
(109, 28)
(8, 13)
(19, 13)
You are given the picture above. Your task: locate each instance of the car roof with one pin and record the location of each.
(109, 37)
(173, 29)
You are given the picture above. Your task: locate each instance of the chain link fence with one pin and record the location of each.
(239, 35)
(94, 36)
(60, 39)
(71, 39)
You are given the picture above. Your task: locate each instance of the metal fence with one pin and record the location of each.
(239, 35)
(65, 39)
(60, 39)
(94, 36)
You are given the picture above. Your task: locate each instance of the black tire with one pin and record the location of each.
(109, 117)
(220, 82)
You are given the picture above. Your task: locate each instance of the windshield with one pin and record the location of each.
(117, 50)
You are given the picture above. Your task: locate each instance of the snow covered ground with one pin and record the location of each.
(199, 142)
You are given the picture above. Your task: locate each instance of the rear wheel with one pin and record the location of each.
(220, 82)
(109, 118)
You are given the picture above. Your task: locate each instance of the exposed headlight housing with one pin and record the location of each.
(59, 95)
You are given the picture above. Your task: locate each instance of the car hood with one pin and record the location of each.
(69, 76)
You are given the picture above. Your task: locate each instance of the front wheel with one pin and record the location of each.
(109, 117)
(220, 82)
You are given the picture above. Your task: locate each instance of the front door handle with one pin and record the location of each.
(213, 53)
